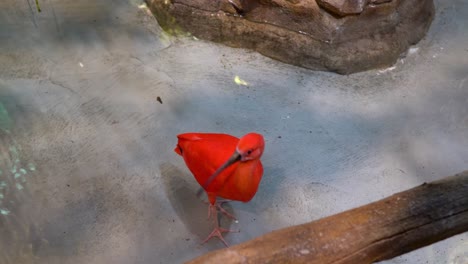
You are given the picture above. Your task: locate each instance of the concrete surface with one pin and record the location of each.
(88, 169)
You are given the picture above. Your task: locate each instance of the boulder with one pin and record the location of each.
(343, 36)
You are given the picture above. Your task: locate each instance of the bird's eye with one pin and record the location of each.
(249, 151)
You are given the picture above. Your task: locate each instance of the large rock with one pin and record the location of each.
(344, 36)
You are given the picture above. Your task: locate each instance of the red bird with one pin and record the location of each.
(225, 166)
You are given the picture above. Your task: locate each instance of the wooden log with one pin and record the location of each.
(381, 230)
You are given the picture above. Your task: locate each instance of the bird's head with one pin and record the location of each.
(250, 147)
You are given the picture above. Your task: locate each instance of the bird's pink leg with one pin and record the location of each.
(217, 231)
(218, 205)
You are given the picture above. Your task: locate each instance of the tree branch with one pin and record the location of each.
(381, 230)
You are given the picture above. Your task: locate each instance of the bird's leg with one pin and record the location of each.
(218, 205)
(217, 231)
(210, 210)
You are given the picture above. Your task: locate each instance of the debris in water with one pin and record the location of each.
(413, 50)
(31, 167)
(388, 69)
(239, 81)
(37, 6)
(159, 99)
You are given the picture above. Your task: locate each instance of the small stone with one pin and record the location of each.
(31, 167)
(4, 211)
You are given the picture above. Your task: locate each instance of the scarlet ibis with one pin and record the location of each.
(225, 166)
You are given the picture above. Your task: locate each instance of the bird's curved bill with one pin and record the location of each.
(233, 159)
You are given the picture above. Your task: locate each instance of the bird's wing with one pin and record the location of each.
(204, 153)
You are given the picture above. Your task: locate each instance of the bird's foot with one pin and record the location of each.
(218, 232)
